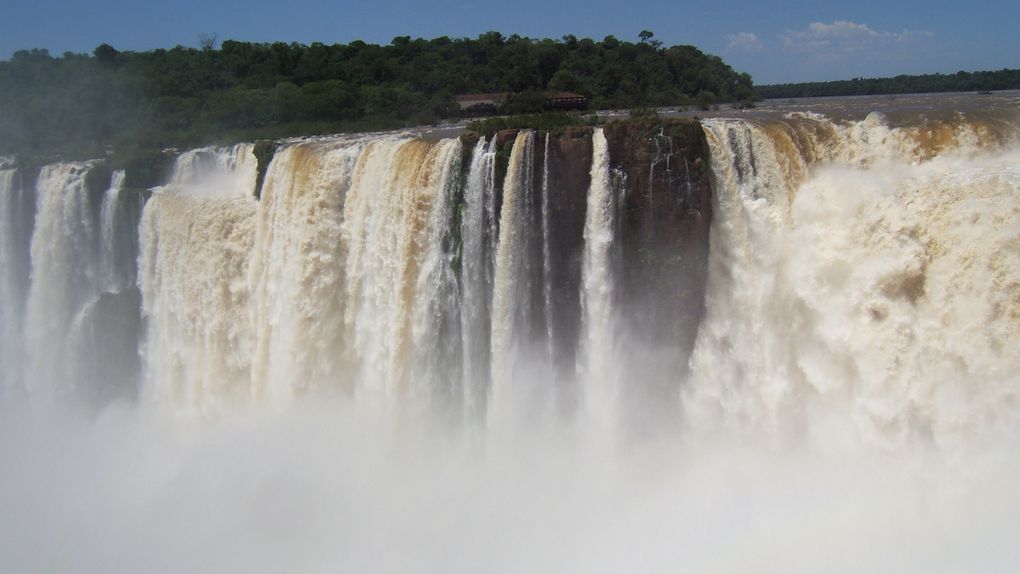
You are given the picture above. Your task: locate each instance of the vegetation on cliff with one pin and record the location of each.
(80, 105)
(552, 122)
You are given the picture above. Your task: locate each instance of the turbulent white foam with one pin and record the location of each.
(337, 279)
(860, 303)
(435, 324)
(220, 171)
(195, 239)
(297, 272)
(193, 277)
(396, 217)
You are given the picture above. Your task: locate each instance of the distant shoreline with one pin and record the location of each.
(981, 81)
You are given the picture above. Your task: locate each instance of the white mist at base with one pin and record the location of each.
(328, 488)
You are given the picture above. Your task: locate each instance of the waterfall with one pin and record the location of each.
(118, 235)
(108, 273)
(196, 236)
(476, 279)
(297, 271)
(511, 289)
(436, 326)
(16, 215)
(69, 305)
(858, 285)
(64, 274)
(491, 217)
(844, 262)
(231, 170)
(341, 277)
(597, 347)
(399, 278)
(546, 255)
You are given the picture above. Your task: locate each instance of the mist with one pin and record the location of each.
(324, 488)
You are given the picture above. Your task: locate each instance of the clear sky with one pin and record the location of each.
(774, 41)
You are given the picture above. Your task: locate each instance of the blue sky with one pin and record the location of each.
(775, 42)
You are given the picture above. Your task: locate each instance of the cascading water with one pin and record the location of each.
(861, 301)
(598, 354)
(348, 275)
(547, 304)
(113, 275)
(511, 285)
(64, 274)
(105, 333)
(399, 281)
(872, 297)
(228, 170)
(17, 209)
(80, 330)
(338, 278)
(297, 271)
(195, 238)
(118, 237)
(345, 275)
(476, 277)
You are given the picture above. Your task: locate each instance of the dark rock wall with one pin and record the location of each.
(662, 229)
(663, 202)
(569, 179)
(663, 217)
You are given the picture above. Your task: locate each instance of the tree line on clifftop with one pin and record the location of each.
(80, 105)
(1004, 79)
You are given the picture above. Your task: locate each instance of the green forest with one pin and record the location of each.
(84, 105)
(959, 82)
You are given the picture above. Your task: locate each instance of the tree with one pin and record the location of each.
(189, 96)
(646, 38)
(33, 55)
(105, 54)
(207, 41)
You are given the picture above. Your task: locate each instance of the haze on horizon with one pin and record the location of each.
(774, 42)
